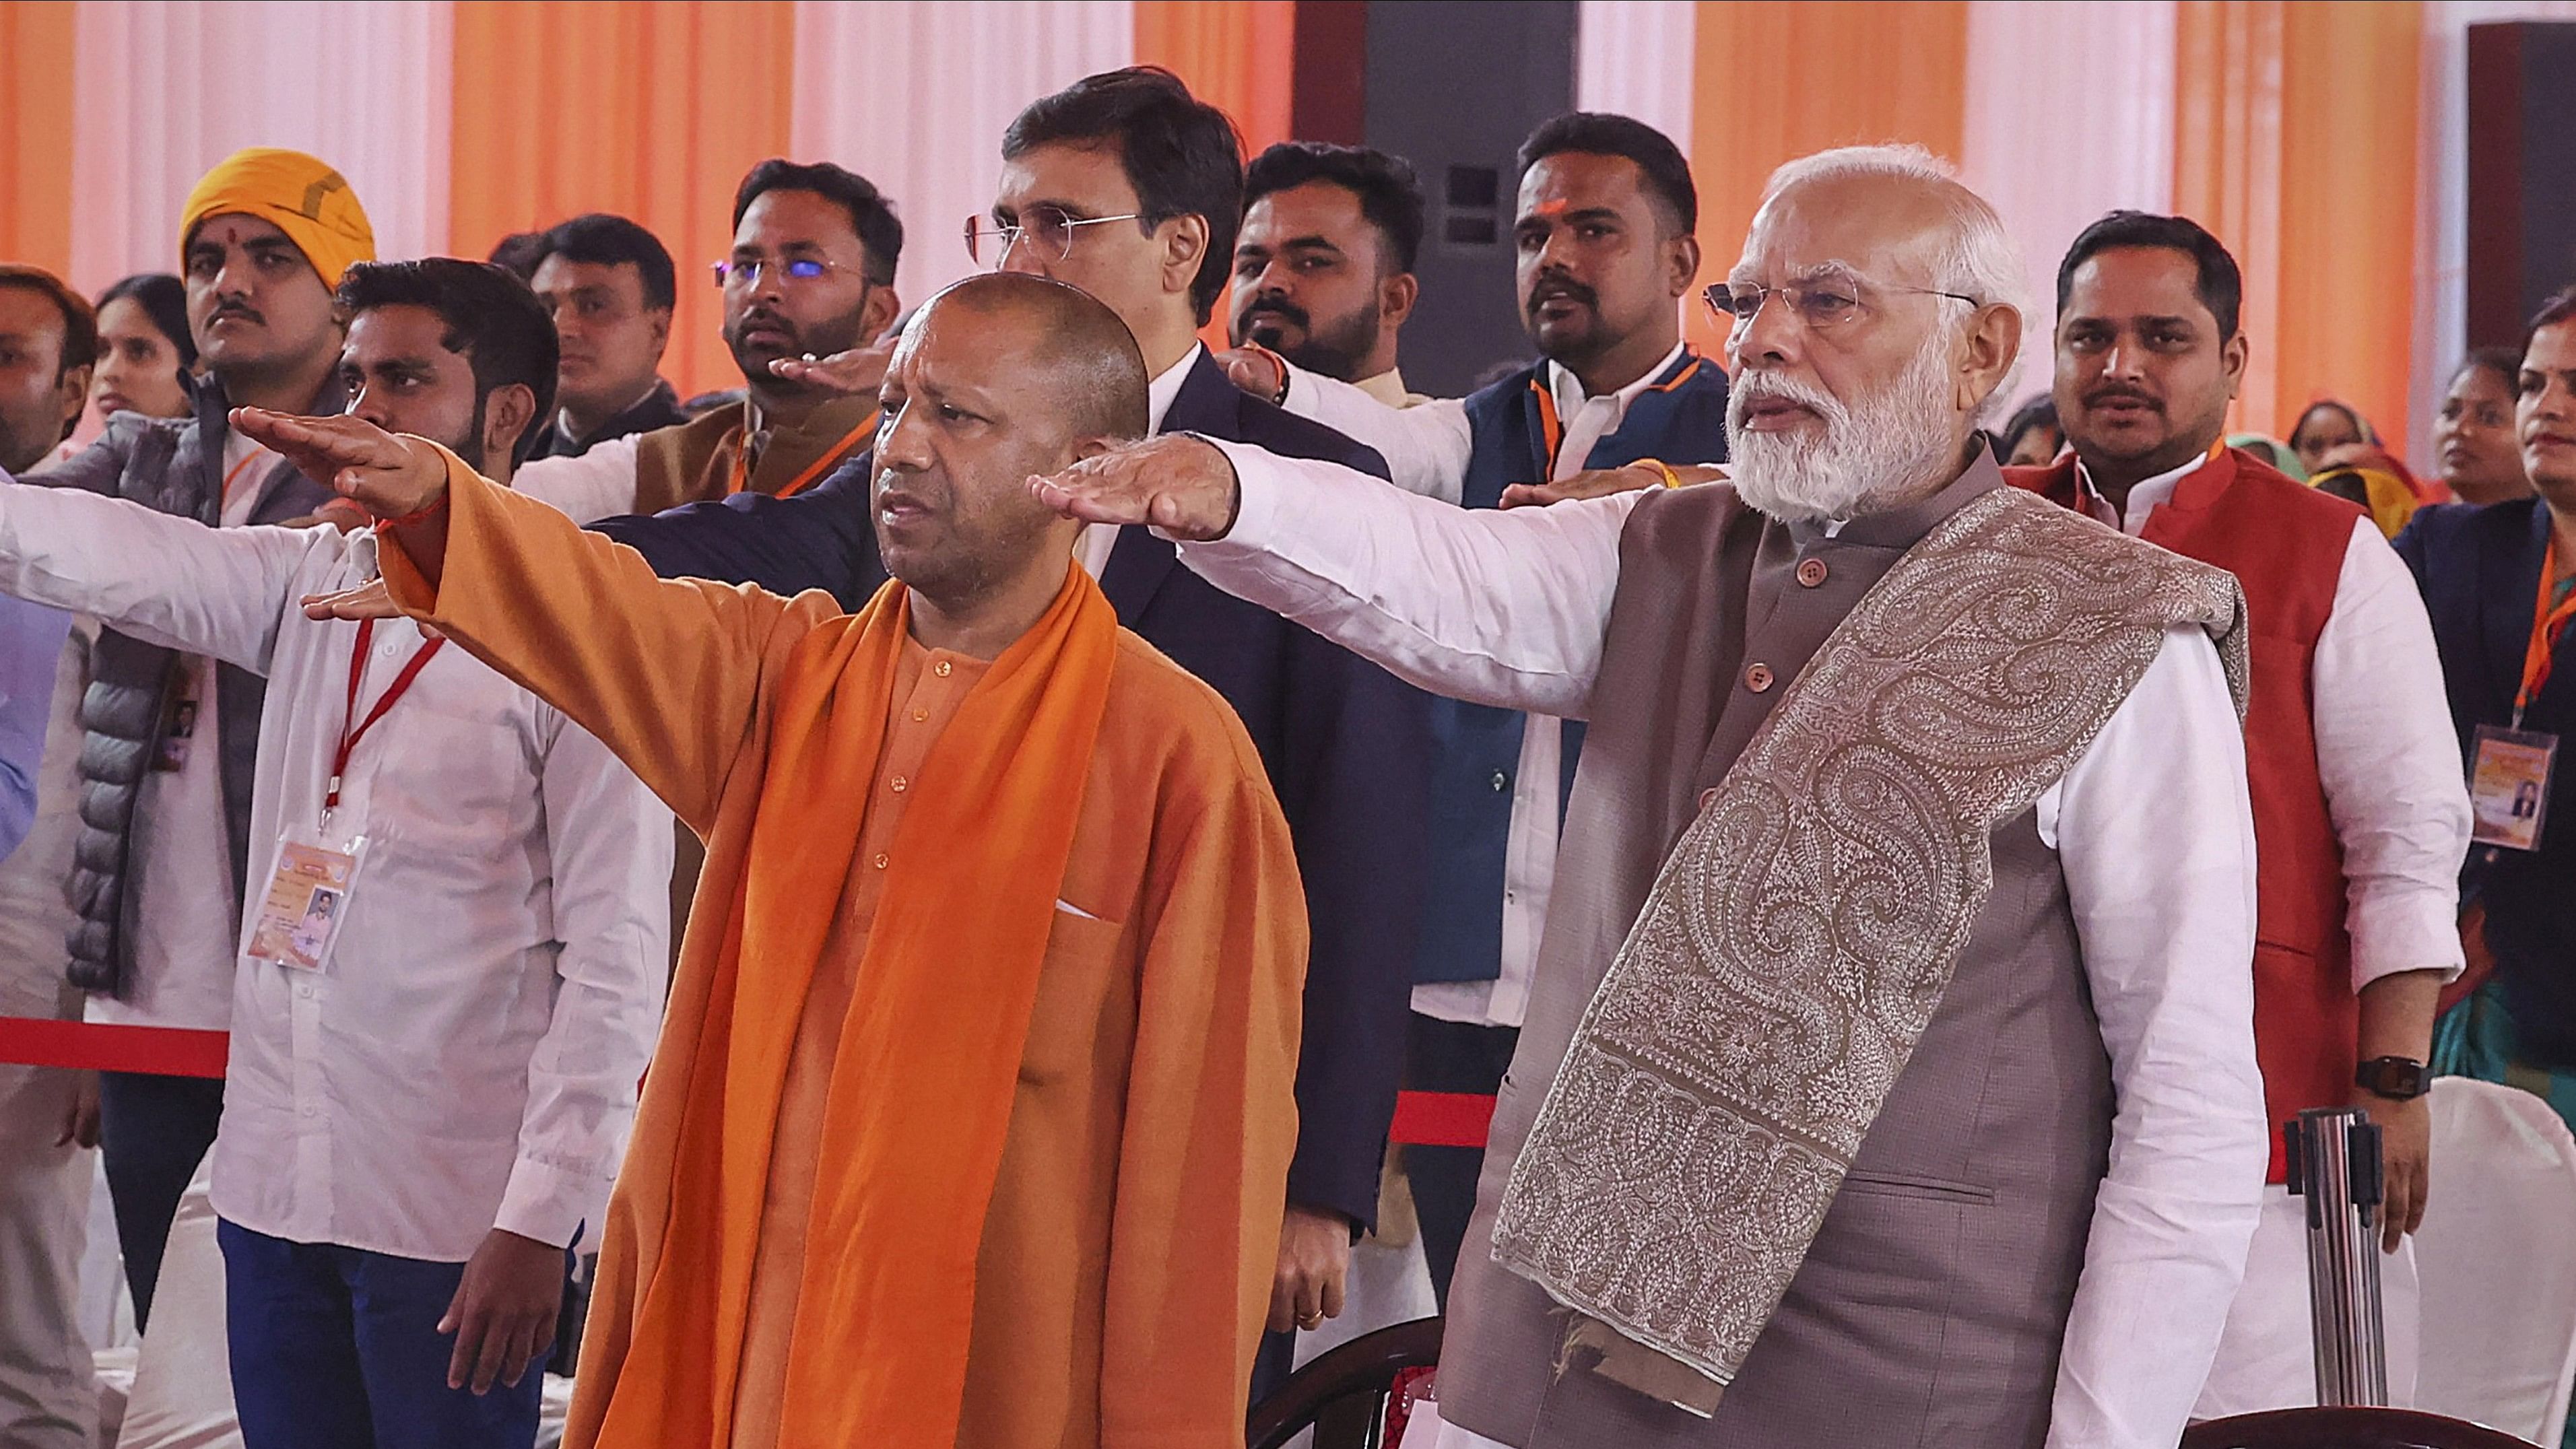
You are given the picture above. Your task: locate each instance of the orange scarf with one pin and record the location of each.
(928, 1066)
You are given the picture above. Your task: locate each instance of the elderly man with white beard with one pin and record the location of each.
(1889, 1072)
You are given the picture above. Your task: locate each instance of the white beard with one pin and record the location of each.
(1888, 446)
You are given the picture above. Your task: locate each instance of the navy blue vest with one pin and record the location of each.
(1476, 749)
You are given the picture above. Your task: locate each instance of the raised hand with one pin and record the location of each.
(388, 475)
(1602, 482)
(370, 600)
(1256, 370)
(861, 370)
(1178, 483)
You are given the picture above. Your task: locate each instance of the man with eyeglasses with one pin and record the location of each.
(1130, 188)
(2360, 814)
(811, 274)
(1889, 1071)
(1606, 251)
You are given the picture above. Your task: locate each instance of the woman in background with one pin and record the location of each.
(2473, 439)
(146, 359)
(2325, 429)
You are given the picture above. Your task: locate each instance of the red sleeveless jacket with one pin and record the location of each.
(2285, 542)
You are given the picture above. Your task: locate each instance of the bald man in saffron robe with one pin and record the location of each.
(972, 1118)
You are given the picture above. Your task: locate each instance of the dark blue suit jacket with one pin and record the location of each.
(2479, 569)
(1346, 745)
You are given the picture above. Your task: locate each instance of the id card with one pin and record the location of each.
(179, 720)
(308, 894)
(2509, 786)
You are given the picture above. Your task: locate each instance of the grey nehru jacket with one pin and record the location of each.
(1932, 1304)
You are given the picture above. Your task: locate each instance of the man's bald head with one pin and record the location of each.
(1066, 344)
(997, 379)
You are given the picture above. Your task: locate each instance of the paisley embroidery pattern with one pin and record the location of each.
(1802, 932)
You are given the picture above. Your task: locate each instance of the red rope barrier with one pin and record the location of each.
(165, 1051)
(1441, 1119)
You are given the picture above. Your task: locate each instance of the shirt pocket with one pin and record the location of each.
(1065, 1023)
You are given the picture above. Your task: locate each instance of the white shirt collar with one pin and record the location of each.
(1569, 393)
(1160, 392)
(2149, 494)
(1387, 387)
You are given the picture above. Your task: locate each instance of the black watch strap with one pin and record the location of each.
(2399, 1079)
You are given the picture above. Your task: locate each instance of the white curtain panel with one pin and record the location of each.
(167, 90)
(1639, 58)
(2053, 146)
(915, 97)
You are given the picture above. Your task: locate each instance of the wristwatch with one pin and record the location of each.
(2399, 1079)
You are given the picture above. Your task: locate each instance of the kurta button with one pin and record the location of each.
(1758, 678)
(1811, 572)
(1502, 781)
(898, 784)
(919, 715)
(881, 860)
(941, 668)
(1708, 797)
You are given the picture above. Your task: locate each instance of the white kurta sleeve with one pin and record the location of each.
(1425, 447)
(2390, 763)
(2156, 836)
(598, 484)
(1505, 607)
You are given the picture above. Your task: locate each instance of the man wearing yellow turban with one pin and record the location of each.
(166, 765)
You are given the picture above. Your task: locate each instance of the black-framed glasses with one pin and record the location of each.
(1819, 306)
(1048, 229)
(746, 271)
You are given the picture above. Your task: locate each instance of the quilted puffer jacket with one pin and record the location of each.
(174, 466)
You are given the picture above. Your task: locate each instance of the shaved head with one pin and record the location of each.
(1070, 347)
(1002, 377)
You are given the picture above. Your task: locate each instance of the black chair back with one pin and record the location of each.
(1342, 1395)
(2344, 1429)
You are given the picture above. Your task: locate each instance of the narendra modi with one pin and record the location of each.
(1888, 1073)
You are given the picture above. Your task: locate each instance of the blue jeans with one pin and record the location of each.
(339, 1348)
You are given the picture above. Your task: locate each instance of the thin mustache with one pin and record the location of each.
(2099, 396)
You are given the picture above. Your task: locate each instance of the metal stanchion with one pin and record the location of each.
(2335, 1164)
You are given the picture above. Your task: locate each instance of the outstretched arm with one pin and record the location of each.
(1505, 608)
(670, 676)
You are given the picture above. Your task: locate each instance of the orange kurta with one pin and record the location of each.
(1125, 1258)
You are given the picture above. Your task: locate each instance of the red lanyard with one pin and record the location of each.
(2547, 624)
(354, 729)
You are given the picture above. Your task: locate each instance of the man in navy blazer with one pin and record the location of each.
(2482, 573)
(1149, 229)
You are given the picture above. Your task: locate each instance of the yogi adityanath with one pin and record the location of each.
(972, 1118)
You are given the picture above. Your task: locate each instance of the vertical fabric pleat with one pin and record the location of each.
(37, 109)
(651, 111)
(2296, 141)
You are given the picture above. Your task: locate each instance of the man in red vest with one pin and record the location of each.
(2361, 817)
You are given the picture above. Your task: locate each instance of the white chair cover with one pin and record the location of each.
(2497, 1257)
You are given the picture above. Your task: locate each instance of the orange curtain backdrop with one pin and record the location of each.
(2295, 140)
(651, 111)
(1780, 80)
(1237, 55)
(36, 115)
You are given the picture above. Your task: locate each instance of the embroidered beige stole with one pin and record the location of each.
(1802, 932)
